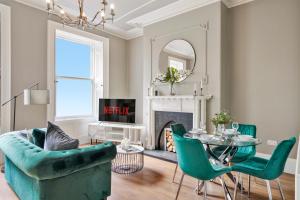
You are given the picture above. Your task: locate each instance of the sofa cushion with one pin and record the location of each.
(38, 137)
(26, 135)
(57, 139)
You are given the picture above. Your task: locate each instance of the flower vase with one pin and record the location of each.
(221, 129)
(172, 93)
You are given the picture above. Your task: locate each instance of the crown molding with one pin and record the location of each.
(234, 3)
(169, 11)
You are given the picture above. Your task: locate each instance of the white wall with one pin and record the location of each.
(135, 74)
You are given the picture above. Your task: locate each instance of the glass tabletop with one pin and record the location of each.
(218, 140)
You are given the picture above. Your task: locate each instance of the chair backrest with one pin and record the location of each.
(192, 158)
(247, 129)
(178, 129)
(278, 159)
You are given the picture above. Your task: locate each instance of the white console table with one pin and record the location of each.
(116, 132)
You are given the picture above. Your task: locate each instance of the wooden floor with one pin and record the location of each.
(154, 182)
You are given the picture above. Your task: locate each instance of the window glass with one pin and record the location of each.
(72, 59)
(73, 97)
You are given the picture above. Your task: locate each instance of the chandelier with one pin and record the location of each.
(82, 20)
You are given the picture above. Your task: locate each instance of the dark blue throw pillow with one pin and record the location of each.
(57, 139)
(38, 137)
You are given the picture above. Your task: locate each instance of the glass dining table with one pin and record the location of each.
(230, 144)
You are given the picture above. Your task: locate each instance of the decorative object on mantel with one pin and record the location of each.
(220, 120)
(82, 21)
(196, 89)
(172, 76)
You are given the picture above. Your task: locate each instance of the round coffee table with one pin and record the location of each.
(128, 161)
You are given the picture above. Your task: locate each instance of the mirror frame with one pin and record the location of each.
(193, 67)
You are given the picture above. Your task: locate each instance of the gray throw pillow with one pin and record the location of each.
(56, 139)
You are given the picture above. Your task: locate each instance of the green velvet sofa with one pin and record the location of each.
(78, 174)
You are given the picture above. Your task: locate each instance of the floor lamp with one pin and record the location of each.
(31, 97)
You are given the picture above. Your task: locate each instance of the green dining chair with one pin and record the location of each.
(243, 153)
(179, 130)
(266, 169)
(193, 161)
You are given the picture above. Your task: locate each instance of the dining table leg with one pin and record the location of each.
(224, 159)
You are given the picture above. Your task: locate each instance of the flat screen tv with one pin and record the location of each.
(117, 110)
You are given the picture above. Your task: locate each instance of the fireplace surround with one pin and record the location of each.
(193, 105)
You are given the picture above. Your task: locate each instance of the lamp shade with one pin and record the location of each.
(36, 97)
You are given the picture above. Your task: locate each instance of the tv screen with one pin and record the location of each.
(117, 110)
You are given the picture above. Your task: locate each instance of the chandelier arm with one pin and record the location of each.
(96, 15)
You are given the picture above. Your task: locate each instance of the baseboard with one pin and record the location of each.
(290, 166)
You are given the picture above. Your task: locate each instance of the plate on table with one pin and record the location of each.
(245, 138)
(206, 137)
(196, 131)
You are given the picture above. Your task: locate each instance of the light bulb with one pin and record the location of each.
(48, 1)
(62, 11)
(102, 14)
(112, 6)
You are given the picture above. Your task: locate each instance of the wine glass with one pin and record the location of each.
(235, 126)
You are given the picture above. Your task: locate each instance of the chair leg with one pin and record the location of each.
(175, 173)
(236, 185)
(179, 186)
(200, 187)
(249, 185)
(223, 185)
(205, 190)
(280, 189)
(242, 187)
(269, 189)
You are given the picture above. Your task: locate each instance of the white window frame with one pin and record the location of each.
(100, 84)
(178, 60)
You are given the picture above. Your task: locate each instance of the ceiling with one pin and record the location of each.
(133, 15)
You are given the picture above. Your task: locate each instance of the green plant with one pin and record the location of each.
(221, 118)
(172, 75)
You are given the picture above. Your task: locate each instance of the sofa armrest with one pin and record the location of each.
(41, 164)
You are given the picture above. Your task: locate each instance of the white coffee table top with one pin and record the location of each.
(131, 150)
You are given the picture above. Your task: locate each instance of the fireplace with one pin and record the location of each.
(164, 110)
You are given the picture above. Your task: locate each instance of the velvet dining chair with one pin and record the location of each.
(243, 153)
(193, 161)
(266, 169)
(179, 130)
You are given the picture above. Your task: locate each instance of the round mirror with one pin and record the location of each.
(178, 55)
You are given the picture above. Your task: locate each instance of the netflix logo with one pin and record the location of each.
(115, 110)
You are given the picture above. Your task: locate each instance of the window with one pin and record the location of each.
(177, 63)
(78, 75)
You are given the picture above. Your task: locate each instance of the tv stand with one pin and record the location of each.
(116, 132)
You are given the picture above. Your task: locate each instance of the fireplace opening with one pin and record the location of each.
(161, 141)
(163, 121)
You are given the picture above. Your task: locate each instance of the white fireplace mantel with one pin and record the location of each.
(187, 104)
